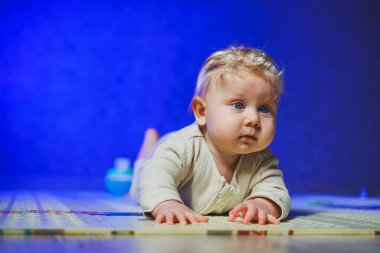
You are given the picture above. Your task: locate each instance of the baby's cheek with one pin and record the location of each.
(269, 131)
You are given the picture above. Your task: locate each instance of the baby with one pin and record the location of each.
(221, 163)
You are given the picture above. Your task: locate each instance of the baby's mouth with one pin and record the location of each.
(248, 138)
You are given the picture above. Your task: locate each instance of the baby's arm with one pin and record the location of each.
(269, 200)
(172, 211)
(260, 209)
(161, 176)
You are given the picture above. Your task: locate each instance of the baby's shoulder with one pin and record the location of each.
(181, 146)
(184, 135)
(181, 140)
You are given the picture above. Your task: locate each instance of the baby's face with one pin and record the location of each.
(240, 114)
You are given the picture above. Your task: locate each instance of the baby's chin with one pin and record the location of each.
(249, 150)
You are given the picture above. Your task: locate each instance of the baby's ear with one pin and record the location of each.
(198, 105)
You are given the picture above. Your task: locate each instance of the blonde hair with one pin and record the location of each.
(239, 58)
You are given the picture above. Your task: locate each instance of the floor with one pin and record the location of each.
(189, 244)
(95, 221)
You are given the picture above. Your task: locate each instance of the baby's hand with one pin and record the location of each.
(172, 211)
(260, 209)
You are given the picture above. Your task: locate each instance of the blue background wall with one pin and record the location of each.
(80, 82)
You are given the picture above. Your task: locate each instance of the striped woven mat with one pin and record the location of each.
(97, 213)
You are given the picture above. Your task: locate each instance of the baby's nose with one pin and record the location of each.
(252, 119)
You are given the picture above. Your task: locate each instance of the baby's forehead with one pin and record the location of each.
(230, 78)
(235, 76)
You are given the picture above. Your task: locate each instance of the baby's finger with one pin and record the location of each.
(169, 217)
(180, 216)
(272, 219)
(233, 215)
(191, 218)
(160, 218)
(239, 207)
(250, 214)
(238, 210)
(262, 217)
(200, 217)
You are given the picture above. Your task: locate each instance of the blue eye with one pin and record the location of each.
(264, 109)
(239, 105)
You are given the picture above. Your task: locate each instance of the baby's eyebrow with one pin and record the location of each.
(234, 96)
(269, 98)
(238, 93)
